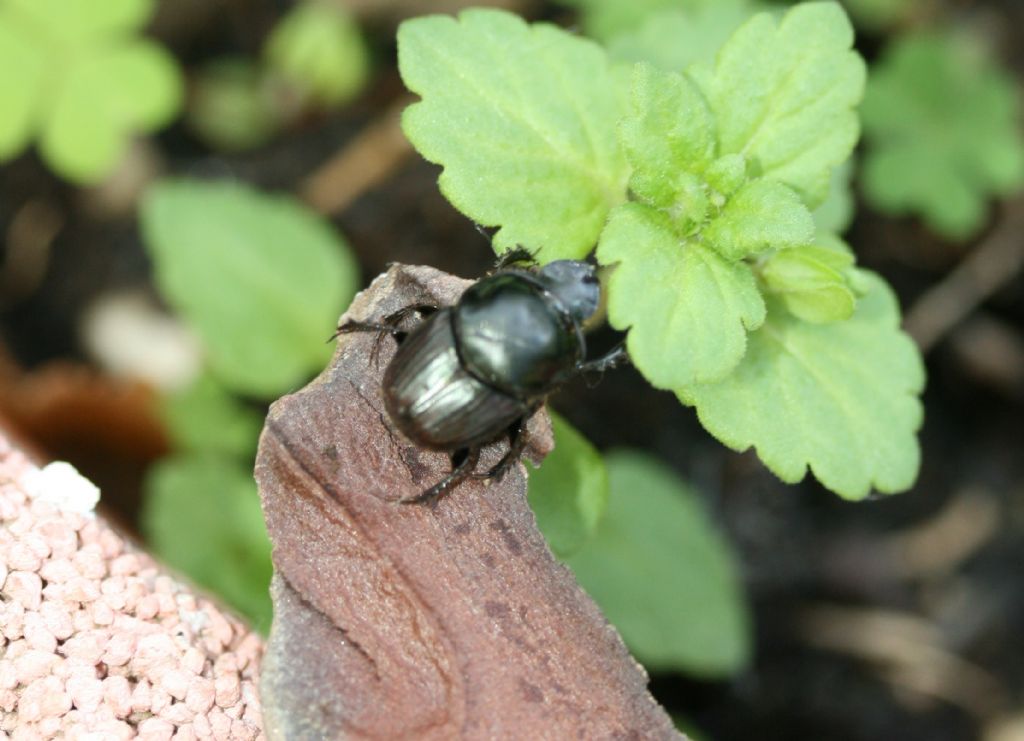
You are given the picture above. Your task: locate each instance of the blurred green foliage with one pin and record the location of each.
(319, 50)
(314, 59)
(261, 278)
(233, 105)
(942, 122)
(201, 515)
(663, 574)
(569, 492)
(78, 78)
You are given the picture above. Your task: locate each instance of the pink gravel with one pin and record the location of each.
(96, 641)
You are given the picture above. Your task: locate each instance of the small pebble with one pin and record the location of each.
(155, 729)
(22, 558)
(37, 635)
(57, 619)
(117, 695)
(175, 682)
(31, 665)
(86, 692)
(58, 570)
(25, 588)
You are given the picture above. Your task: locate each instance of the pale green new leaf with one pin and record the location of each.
(811, 282)
(686, 307)
(784, 95)
(762, 214)
(522, 118)
(569, 492)
(841, 398)
(673, 38)
(663, 574)
(943, 124)
(262, 278)
(667, 133)
(201, 515)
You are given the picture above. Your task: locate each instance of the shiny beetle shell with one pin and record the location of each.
(434, 400)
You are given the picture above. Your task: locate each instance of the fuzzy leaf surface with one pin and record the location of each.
(569, 492)
(840, 398)
(784, 94)
(942, 122)
(261, 278)
(663, 574)
(686, 307)
(668, 133)
(523, 119)
(761, 215)
(811, 282)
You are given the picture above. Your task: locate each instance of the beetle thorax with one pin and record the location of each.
(514, 335)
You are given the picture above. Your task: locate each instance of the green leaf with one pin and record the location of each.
(836, 213)
(105, 98)
(569, 492)
(841, 398)
(232, 106)
(606, 19)
(687, 308)
(201, 515)
(811, 283)
(101, 85)
(663, 575)
(21, 95)
(65, 21)
(667, 134)
(761, 215)
(319, 49)
(784, 95)
(674, 38)
(262, 278)
(206, 418)
(942, 123)
(522, 118)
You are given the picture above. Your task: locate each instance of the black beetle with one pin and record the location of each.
(473, 372)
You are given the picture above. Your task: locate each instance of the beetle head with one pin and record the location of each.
(574, 284)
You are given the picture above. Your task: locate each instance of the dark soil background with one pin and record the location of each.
(895, 618)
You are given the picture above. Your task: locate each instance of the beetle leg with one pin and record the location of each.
(613, 359)
(458, 474)
(517, 442)
(390, 325)
(512, 256)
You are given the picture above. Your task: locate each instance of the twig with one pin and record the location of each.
(364, 162)
(993, 264)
